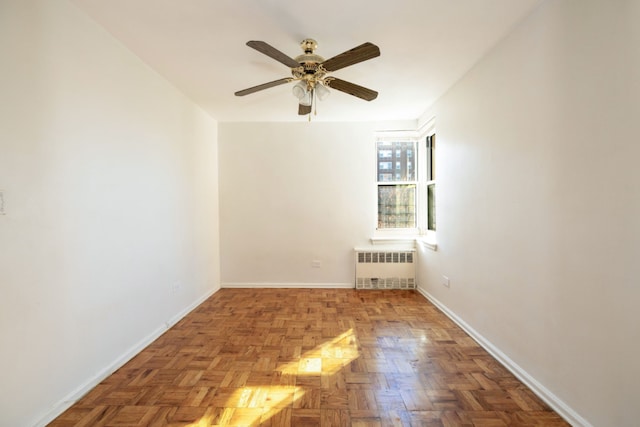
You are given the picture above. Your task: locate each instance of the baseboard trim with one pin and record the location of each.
(77, 394)
(564, 410)
(289, 285)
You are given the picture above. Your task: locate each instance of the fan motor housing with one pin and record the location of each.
(309, 60)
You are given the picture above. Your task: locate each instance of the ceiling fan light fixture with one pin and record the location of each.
(322, 92)
(299, 90)
(307, 99)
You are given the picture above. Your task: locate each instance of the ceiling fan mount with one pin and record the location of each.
(309, 62)
(310, 71)
(308, 57)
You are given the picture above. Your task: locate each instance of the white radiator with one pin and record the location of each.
(385, 269)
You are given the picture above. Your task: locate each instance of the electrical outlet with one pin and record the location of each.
(316, 264)
(2, 212)
(445, 281)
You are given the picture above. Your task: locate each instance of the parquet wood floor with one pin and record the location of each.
(312, 357)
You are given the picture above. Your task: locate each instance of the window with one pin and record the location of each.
(406, 197)
(384, 166)
(397, 196)
(384, 154)
(431, 182)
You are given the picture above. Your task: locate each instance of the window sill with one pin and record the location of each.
(393, 240)
(427, 242)
(408, 241)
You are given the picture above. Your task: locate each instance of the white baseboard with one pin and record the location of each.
(74, 396)
(566, 412)
(289, 285)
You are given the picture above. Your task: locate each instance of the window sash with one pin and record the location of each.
(397, 206)
(397, 183)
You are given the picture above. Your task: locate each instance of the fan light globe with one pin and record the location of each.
(322, 92)
(299, 90)
(307, 99)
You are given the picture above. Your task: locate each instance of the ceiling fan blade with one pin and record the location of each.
(262, 86)
(274, 53)
(351, 89)
(353, 56)
(303, 110)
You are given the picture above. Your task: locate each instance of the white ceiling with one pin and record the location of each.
(199, 46)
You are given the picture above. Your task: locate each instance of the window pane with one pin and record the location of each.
(431, 208)
(384, 153)
(396, 206)
(431, 158)
(402, 153)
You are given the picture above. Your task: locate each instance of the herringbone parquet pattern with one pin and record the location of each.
(318, 357)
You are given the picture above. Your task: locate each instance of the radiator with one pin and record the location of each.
(385, 269)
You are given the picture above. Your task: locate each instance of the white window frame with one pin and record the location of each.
(429, 162)
(397, 136)
(385, 235)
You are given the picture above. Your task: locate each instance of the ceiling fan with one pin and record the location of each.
(310, 71)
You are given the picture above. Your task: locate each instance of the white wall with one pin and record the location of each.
(110, 183)
(291, 193)
(539, 204)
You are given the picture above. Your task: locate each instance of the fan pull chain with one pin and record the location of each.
(315, 104)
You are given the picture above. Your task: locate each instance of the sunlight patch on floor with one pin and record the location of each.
(327, 358)
(248, 405)
(255, 404)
